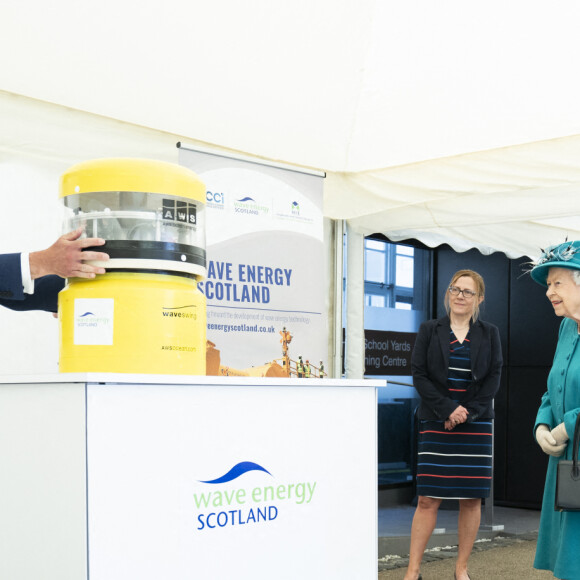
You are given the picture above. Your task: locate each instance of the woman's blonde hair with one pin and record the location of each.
(479, 286)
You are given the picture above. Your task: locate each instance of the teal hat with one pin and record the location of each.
(565, 255)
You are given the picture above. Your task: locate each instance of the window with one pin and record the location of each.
(404, 260)
(397, 300)
(375, 262)
(374, 300)
(390, 273)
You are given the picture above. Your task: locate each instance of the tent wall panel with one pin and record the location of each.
(525, 463)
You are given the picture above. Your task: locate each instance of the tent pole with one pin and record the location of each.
(337, 274)
(354, 338)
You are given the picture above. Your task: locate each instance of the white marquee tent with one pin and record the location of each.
(448, 121)
(454, 121)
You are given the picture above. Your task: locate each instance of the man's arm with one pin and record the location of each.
(45, 296)
(11, 287)
(64, 258)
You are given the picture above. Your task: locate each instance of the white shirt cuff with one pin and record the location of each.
(27, 281)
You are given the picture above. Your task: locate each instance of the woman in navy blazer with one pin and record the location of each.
(456, 366)
(430, 367)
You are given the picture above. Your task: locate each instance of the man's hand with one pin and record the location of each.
(66, 259)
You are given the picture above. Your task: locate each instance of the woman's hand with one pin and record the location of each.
(559, 434)
(458, 416)
(547, 441)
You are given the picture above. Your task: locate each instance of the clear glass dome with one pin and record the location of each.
(142, 226)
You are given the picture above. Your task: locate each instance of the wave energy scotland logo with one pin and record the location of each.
(248, 205)
(93, 321)
(224, 501)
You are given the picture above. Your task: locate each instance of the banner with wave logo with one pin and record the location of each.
(266, 271)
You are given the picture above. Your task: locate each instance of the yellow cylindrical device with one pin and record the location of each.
(145, 315)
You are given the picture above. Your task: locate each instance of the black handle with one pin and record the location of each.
(575, 468)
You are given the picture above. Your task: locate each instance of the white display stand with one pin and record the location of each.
(115, 477)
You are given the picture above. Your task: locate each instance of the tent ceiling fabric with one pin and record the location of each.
(335, 85)
(447, 120)
(515, 199)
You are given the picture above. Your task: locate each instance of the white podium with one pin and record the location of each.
(119, 477)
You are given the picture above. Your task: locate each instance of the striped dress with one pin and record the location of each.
(455, 464)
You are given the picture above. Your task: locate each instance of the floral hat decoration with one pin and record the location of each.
(564, 255)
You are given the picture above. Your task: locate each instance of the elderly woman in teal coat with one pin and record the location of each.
(558, 547)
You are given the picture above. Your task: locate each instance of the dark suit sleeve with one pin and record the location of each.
(10, 277)
(12, 296)
(481, 403)
(426, 355)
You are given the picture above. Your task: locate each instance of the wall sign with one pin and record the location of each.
(388, 352)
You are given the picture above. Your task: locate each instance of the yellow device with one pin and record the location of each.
(145, 315)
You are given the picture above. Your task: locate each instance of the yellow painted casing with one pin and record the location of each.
(125, 322)
(122, 174)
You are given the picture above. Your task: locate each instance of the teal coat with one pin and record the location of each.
(559, 537)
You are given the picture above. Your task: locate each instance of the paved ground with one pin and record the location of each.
(504, 557)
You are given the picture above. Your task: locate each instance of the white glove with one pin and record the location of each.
(547, 442)
(559, 434)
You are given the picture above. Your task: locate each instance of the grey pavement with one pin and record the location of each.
(507, 559)
(504, 549)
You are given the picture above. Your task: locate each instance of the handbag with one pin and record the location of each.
(568, 478)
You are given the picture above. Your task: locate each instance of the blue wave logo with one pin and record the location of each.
(236, 471)
(247, 199)
(86, 314)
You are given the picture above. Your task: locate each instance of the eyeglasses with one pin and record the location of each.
(455, 291)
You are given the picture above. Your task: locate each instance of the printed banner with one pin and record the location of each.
(215, 482)
(265, 275)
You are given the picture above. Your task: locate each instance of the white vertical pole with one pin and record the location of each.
(338, 274)
(354, 347)
(488, 523)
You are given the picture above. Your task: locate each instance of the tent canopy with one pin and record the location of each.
(446, 121)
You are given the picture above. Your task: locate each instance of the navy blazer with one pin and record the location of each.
(12, 295)
(430, 367)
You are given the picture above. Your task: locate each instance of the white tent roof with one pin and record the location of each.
(515, 199)
(448, 121)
